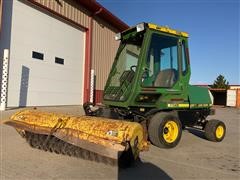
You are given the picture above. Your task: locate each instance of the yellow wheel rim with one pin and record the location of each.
(219, 132)
(170, 131)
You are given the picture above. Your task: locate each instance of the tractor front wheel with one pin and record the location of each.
(165, 130)
(215, 130)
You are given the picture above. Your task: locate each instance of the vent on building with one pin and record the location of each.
(37, 55)
(59, 60)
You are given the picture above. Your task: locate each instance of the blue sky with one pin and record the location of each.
(213, 26)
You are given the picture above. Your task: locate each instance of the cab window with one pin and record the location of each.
(184, 59)
(162, 62)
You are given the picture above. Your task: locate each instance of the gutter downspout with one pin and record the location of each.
(88, 63)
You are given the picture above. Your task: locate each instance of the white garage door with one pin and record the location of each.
(46, 61)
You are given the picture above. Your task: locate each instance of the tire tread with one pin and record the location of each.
(210, 129)
(158, 120)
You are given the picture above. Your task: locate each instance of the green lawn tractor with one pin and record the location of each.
(149, 84)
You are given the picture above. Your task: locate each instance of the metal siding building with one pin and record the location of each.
(102, 55)
(53, 46)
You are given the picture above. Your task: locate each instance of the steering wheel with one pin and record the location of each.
(134, 66)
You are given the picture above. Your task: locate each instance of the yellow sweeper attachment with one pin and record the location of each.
(95, 138)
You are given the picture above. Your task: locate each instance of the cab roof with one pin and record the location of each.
(167, 30)
(143, 26)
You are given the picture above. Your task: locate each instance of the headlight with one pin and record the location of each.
(140, 27)
(118, 36)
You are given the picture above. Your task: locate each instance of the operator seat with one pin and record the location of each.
(166, 78)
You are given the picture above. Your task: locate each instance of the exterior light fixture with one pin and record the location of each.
(118, 36)
(140, 27)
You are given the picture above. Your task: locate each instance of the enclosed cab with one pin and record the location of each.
(149, 83)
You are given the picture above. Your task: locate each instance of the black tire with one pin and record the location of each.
(87, 109)
(210, 130)
(157, 129)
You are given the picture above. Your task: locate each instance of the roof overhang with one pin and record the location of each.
(94, 7)
(217, 89)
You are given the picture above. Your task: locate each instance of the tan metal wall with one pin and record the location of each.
(69, 9)
(103, 51)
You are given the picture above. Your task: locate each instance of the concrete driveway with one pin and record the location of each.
(193, 158)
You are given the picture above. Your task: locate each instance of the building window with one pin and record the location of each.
(59, 60)
(37, 55)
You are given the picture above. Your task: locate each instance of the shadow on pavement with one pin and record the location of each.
(24, 87)
(142, 170)
(197, 132)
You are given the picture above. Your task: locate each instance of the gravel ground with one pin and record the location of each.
(193, 158)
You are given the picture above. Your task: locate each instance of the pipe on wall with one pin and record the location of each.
(88, 65)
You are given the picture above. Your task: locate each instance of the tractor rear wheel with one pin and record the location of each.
(215, 130)
(165, 130)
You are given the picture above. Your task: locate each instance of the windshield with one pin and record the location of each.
(127, 60)
(124, 68)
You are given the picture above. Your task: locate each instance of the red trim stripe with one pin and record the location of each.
(98, 96)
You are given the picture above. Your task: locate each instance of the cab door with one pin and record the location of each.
(164, 70)
(184, 68)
